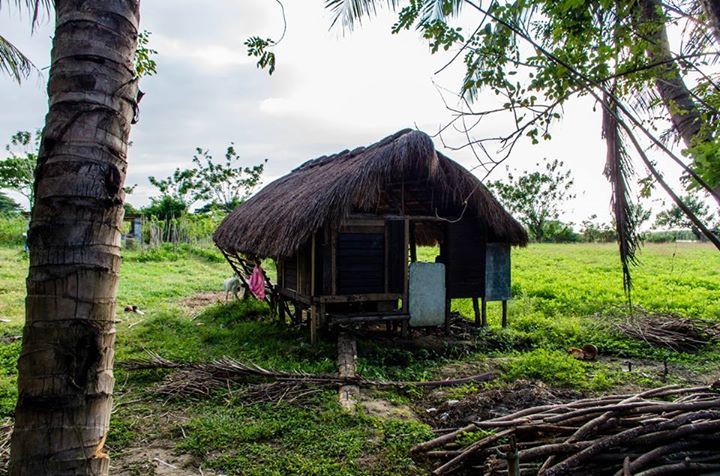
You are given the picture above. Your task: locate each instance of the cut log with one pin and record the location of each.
(347, 359)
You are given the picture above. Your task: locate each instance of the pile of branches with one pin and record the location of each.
(6, 427)
(657, 432)
(256, 383)
(671, 331)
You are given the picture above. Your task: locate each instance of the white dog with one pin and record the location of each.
(232, 285)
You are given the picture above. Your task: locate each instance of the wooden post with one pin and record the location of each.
(333, 261)
(347, 360)
(406, 276)
(387, 256)
(448, 305)
(313, 306)
(504, 313)
(313, 324)
(476, 308)
(483, 312)
(298, 314)
(281, 309)
(413, 244)
(322, 321)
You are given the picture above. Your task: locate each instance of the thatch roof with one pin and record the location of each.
(283, 215)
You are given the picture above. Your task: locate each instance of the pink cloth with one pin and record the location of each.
(257, 283)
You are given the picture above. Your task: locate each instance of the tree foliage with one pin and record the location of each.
(536, 197)
(144, 61)
(180, 186)
(221, 185)
(224, 184)
(17, 171)
(13, 62)
(674, 218)
(261, 48)
(8, 206)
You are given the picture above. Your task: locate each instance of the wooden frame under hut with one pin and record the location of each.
(344, 230)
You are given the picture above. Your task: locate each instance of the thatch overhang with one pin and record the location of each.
(283, 216)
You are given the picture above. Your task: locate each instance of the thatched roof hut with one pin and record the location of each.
(343, 230)
(283, 215)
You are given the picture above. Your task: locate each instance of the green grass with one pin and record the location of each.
(564, 295)
(285, 439)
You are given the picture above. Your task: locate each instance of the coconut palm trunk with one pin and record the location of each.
(669, 83)
(65, 378)
(711, 8)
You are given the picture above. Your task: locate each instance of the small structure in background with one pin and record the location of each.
(344, 230)
(133, 237)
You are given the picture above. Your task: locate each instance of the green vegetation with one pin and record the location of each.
(565, 295)
(12, 228)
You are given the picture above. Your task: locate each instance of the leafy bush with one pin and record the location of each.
(170, 252)
(12, 228)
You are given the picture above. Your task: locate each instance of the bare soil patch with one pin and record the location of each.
(158, 459)
(492, 402)
(200, 301)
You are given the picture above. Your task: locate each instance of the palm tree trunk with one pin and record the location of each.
(670, 85)
(65, 378)
(712, 17)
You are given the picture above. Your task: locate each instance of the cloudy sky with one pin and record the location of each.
(331, 91)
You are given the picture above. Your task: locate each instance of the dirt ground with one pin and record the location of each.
(157, 459)
(197, 302)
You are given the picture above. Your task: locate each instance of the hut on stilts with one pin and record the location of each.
(344, 229)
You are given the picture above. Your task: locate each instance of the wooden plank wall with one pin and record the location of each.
(465, 260)
(360, 263)
(396, 265)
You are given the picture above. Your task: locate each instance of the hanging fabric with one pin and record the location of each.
(257, 282)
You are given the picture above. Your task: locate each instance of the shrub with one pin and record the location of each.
(12, 228)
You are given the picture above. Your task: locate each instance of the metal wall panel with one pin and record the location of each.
(427, 294)
(497, 272)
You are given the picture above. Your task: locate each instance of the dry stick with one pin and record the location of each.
(679, 468)
(227, 368)
(613, 440)
(657, 392)
(553, 449)
(441, 440)
(654, 454)
(460, 459)
(688, 429)
(639, 407)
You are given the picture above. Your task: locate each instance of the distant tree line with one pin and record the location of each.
(218, 185)
(537, 199)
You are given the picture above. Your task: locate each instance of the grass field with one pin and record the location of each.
(564, 296)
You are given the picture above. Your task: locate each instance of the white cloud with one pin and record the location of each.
(203, 55)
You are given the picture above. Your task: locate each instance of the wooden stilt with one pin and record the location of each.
(504, 313)
(322, 321)
(476, 308)
(413, 243)
(281, 309)
(298, 314)
(448, 305)
(347, 360)
(313, 324)
(483, 312)
(314, 317)
(404, 328)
